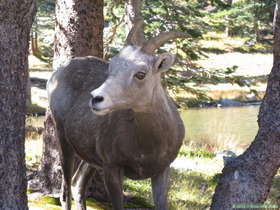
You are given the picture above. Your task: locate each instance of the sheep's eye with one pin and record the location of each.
(140, 75)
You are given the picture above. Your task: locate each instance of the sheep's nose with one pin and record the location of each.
(97, 99)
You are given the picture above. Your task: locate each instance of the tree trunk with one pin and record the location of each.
(34, 40)
(229, 28)
(50, 169)
(256, 26)
(132, 10)
(28, 93)
(257, 30)
(15, 23)
(248, 178)
(78, 32)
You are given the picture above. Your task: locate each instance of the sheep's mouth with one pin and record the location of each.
(100, 111)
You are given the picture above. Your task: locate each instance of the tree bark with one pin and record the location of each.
(50, 169)
(132, 10)
(28, 92)
(78, 32)
(15, 23)
(248, 178)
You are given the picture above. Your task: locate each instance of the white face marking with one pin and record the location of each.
(104, 106)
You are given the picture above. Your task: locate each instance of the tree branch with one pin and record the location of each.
(136, 34)
(153, 44)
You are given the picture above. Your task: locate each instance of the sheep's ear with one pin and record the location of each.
(164, 62)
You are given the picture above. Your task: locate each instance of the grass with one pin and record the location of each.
(274, 193)
(188, 151)
(205, 146)
(45, 203)
(34, 140)
(220, 43)
(188, 189)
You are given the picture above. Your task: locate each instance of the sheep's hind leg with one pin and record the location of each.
(160, 189)
(67, 164)
(79, 184)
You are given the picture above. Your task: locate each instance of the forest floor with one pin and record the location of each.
(195, 172)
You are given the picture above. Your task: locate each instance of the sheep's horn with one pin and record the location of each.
(136, 34)
(154, 43)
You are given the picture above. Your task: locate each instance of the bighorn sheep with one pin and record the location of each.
(117, 117)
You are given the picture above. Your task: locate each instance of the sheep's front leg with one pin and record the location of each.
(160, 189)
(114, 184)
(79, 184)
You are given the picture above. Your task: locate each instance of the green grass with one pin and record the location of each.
(220, 43)
(49, 200)
(194, 152)
(29, 191)
(254, 48)
(188, 190)
(274, 193)
(92, 203)
(45, 203)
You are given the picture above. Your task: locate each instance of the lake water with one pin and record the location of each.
(225, 128)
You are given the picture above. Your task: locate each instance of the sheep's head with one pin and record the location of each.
(134, 73)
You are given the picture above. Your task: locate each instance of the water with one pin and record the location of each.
(225, 128)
